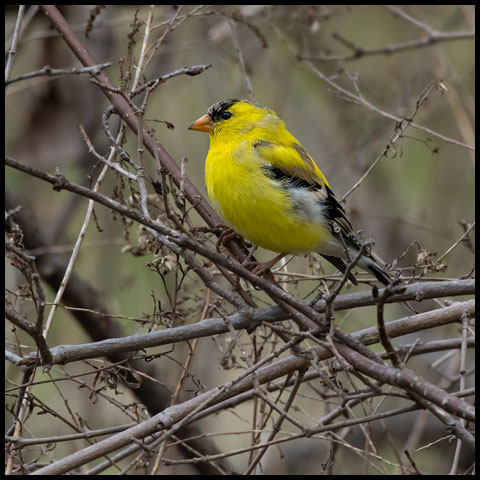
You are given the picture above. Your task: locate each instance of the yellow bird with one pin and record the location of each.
(267, 187)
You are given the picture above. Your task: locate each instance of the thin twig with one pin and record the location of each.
(238, 51)
(53, 72)
(15, 39)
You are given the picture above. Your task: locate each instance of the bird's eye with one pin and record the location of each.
(226, 115)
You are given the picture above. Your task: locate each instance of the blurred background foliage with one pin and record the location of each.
(422, 191)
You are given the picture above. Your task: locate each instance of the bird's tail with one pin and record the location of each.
(379, 273)
(340, 264)
(367, 263)
(384, 278)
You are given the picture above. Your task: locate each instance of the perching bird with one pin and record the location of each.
(267, 187)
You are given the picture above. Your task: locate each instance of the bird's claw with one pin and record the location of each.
(226, 235)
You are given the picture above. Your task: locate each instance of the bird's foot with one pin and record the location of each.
(226, 235)
(259, 268)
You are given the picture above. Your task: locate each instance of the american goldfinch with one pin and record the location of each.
(267, 187)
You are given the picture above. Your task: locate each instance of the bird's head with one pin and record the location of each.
(235, 117)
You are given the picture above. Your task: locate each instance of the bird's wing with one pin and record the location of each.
(293, 160)
(296, 169)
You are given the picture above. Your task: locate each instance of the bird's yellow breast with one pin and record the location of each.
(256, 206)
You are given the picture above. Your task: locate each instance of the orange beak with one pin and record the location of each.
(203, 124)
